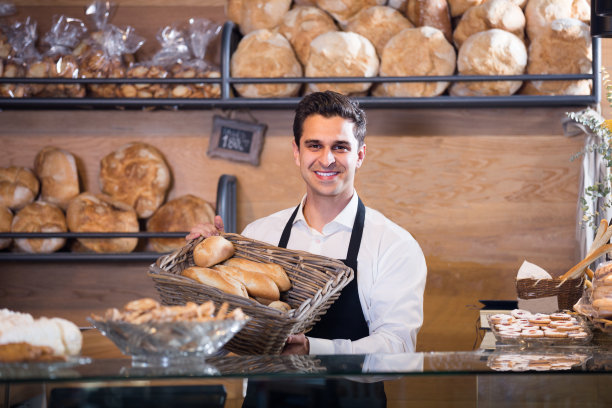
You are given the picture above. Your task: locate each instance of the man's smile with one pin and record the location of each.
(326, 174)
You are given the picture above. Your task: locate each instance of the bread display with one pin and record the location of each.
(274, 271)
(265, 53)
(144, 90)
(502, 14)
(602, 291)
(303, 24)
(59, 178)
(433, 13)
(540, 13)
(378, 24)
(338, 53)
(216, 279)
(18, 187)
(416, 51)
(6, 219)
(101, 213)
(257, 284)
(176, 215)
(137, 175)
(251, 15)
(491, 52)
(563, 48)
(39, 216)
(212, 250)
(343, 10)
(458, 7)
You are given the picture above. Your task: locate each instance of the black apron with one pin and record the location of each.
(343, 320)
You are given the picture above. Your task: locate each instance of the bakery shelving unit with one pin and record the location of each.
(228, 100)
(225, 205)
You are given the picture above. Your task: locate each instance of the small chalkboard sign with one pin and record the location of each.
(236, 140)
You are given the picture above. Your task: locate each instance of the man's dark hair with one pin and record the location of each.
(329, 104)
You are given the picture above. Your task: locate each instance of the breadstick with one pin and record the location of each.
(578, 268)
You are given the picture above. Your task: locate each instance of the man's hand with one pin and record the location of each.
(206, 230)
(297, 344)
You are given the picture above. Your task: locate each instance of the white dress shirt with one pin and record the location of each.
(390, 278)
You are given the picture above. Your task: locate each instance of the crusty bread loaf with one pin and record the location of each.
(378, 24)
(502, 14)
(338, 53)
(39, 217)
(6, 219)
(280, 305)
(603, 307)
(257, 284)
(18, 187)
(59, 178)
(540, 13)
(491, 52)
(343, 10)
(216, 279)
(416, 51)
(303, 24)
(179, 214)
(251, 15)
(563, 48)
(274, 271)
(265, 53)
(458, 7)
(137, 175)
(212, 250)
(101, 213)
(432, 13)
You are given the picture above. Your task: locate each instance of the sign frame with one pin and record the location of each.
(236, 132)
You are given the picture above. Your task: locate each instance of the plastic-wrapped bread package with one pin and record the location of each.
(39, 216)
(22, 38)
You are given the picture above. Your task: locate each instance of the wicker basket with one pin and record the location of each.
(316, 284)
(567, 292)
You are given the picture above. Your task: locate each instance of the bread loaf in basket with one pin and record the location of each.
(316, 284)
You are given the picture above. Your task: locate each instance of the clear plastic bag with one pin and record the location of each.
(21, 36)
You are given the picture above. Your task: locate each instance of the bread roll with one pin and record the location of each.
(18, 187)
(433, 13)
(541, 13)
(137, 175)
(59, 178)
(378, 24)
(603, 307)
(177, 215)
(61, 335)
(274, 271)
(257, 284)
(458, 7)
(101, 213)
(216, 279)
(265, 53)
(212, 250)
(6, 219)
(341, 54)
(39, 217)
(343, 10)
(563, 48)
(491, 52)
(251, 15)
(416, 51)
(502, 14)
(279, 305)
(301, 25)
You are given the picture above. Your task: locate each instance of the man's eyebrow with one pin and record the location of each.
(311, 141)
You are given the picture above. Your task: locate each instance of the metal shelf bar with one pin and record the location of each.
(79, 256)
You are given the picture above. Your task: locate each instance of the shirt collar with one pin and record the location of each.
(345, 218)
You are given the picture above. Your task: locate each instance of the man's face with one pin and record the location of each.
(328, 156)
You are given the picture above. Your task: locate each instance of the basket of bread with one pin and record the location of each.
(282, 291)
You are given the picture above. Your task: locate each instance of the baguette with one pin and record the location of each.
(212, 250)
(216, 279)
(257, 284)
(274, 271)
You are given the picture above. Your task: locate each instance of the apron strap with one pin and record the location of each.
(284, 240)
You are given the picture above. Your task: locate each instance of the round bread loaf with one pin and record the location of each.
(563, 48)
(101, 213)
(433, 13)
(39, 216)
(491, 52)
(176, 215)
(265, 53)
(458, 7)
(343, 10)
(137, 175)
(18, 187)
(303, 24)
(251, 15)
(342, 54)
(540, 13)
(422, 51)
(502, 14)
(6, 219)
(378, 24)
(59, 178)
